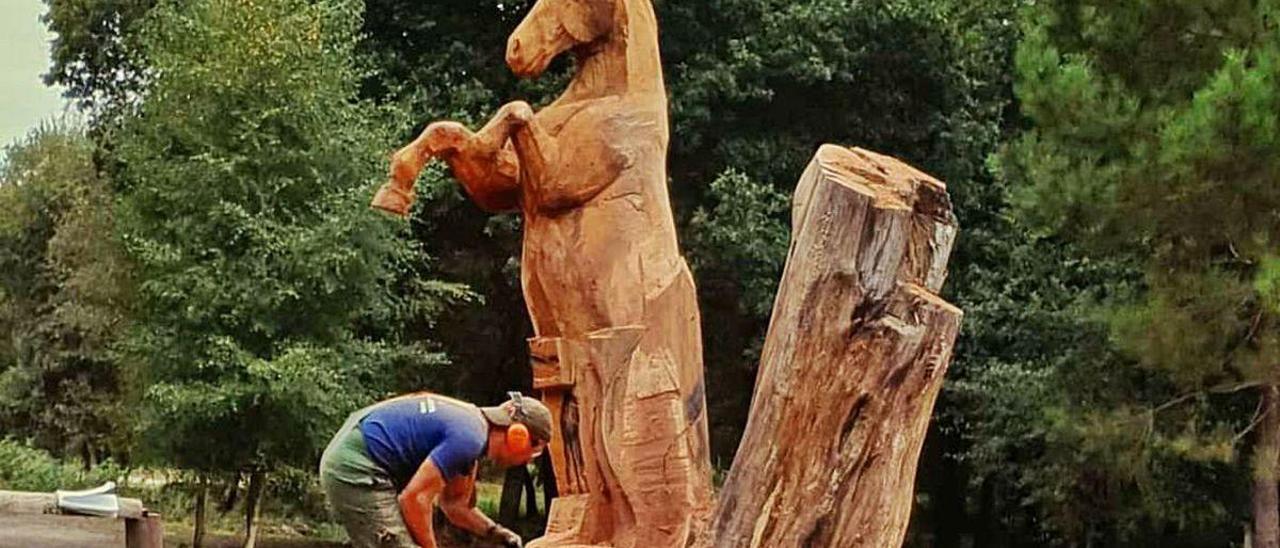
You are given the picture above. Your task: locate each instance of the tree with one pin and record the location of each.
(1154, 139)
(91, 52)
(65, 294)
(271, 299)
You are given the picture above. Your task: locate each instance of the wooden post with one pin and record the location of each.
(146, 531)
(852, 363)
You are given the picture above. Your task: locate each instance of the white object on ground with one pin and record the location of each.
(99, 501)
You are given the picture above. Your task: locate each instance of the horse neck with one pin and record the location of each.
(625, 63)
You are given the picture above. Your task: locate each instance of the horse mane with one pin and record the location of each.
(637, 24)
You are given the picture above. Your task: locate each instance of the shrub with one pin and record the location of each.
(25, 468)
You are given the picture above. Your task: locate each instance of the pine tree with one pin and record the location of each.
(1156, 138)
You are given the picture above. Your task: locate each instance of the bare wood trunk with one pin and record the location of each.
(852, 364)
(1266, 500)
(253, 507)
(202, 500)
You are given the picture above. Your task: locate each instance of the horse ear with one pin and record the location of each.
(591, 19)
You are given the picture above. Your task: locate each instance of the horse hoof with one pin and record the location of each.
(520, 112)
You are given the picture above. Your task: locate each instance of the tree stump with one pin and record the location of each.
(852, 364)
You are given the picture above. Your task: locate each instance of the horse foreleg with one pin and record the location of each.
(539, 154)
(486, 164)
(554, 185)
(483, 162)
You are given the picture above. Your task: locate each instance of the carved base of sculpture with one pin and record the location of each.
(631, 454)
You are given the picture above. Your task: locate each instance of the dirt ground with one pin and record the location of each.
(50, 531)
(180, 537)
(59, 531)
(53, 531)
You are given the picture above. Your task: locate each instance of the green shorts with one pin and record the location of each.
(361, 495)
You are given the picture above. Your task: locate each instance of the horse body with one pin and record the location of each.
(597, 212)
(601, 264)
(590, 255)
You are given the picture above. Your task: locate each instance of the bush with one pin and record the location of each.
(25, 468)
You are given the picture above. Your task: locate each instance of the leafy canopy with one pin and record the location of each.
(271, 296)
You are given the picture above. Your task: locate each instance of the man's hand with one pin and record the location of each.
(456, 504)
(504, 536)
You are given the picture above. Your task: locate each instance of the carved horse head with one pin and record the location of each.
(618, 36)
(555, 26)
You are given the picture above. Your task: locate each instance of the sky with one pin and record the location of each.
(24, 56)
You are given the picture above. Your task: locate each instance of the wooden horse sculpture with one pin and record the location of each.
(617, 352)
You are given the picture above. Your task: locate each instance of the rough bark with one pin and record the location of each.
(253, 507)
(1266, 500)
(202, 500)
(852, 364)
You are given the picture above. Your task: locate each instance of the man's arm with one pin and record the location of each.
(417, 499)
(462, 513)
(457, 505)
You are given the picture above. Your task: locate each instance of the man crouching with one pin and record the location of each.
(392, 461)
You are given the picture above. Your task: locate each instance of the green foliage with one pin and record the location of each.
(1154, 142)
(271, 297)
(443, 59)
(25, 468)
(93, 51)
(66, 293)
(756, 85)
(745, 230)
(1267, 283)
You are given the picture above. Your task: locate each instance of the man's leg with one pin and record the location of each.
(371, 516)
(360, 495)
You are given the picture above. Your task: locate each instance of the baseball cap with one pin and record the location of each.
(524, 410)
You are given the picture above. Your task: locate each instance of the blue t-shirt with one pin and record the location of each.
(399, 434)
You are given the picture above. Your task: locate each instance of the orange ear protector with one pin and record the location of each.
(518, 438)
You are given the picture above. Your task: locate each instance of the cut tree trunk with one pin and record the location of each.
(852, 364)
(202, 500)
(253, 507)
(1266, 500)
